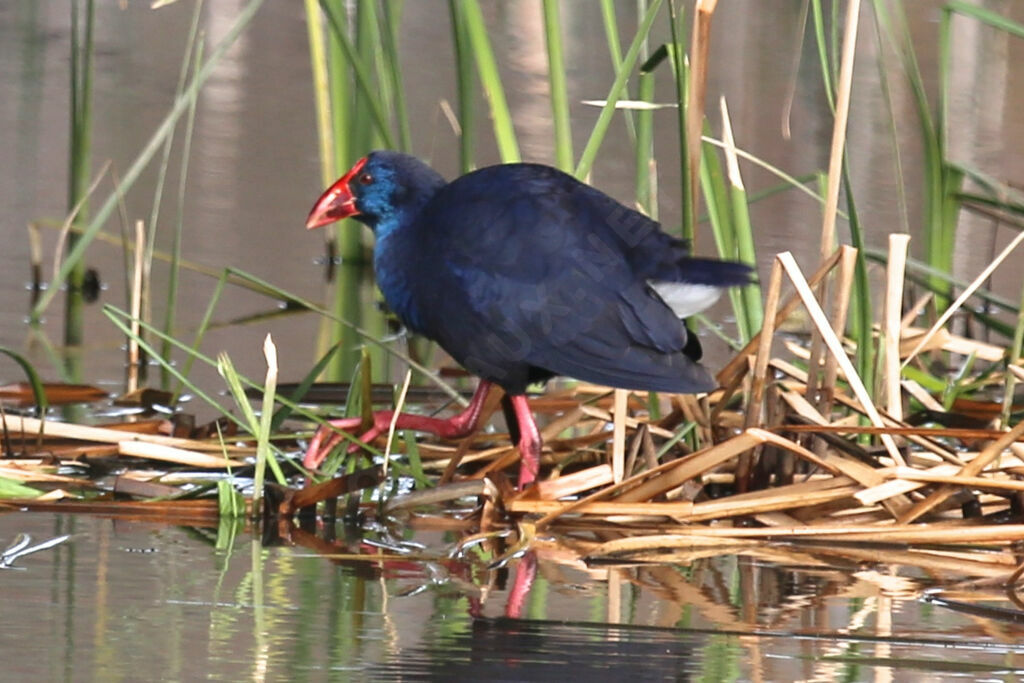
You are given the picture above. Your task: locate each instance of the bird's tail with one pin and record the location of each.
(700, 271)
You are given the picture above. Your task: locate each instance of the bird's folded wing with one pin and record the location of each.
(572, 324)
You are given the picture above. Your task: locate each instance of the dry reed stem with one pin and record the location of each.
(598, 495)
(31, 426)
(631, 422)
(689, 467)
(835, 165)
(863, 474)
(22, 473)
(971, 469)
(729, 376)
(947, 341)
(619, 434)
(696, 464)
(65, 228)
(135, 300)
(920, 436)
(916, 310)
(840, 311)
(894, 284)
(966, 294)
(936, 476)
(836, 347)
(399, 405)
(700, 48)
(955, 534)
(568, 419)
(921, 395)
(754, 405)
(152, 451)
(732, 163)
(771, 500)
(577, 482)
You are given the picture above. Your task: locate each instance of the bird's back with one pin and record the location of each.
(521, 272)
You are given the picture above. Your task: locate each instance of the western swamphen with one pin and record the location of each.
(521, 273)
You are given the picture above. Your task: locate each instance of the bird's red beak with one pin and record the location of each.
(337, 202)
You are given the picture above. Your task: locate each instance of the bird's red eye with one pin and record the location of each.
(365, 178)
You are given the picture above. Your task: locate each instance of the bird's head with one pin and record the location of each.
(382, 188)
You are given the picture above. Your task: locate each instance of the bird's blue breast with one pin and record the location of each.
(392, 255)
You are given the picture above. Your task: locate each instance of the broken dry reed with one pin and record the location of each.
(983, 277)
(894, 284)
(835, 346)
(842, 113)
(700, 49)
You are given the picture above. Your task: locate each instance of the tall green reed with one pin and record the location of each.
(80, 109)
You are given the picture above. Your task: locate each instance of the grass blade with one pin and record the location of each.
(615, 92)
(464, 84)
(490, 78)
(556, 81)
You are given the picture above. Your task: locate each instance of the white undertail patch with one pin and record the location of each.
(686, 298)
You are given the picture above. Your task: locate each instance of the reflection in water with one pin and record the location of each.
(123, 597)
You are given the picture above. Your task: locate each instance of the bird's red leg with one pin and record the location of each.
(463, 424)
(529, 441)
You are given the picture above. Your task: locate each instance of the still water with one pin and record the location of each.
(135, 600)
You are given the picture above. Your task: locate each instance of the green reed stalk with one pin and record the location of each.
(322, 95)
(490, 78)
(861, 316)
(750, 315)
(174, 271)
(936, 222)
(604, 119)
(352, 304)
(393, 70)
(680, 71)
(354, 58)
(464, 84)
(611, 32)
(642, 130)
(372, 95)
(645, 174)
(80, 140)
(718, 203)
(941, 245)
(556, 81)
(355, 115)
(828, 63)
(1013, 354)
(38, 391)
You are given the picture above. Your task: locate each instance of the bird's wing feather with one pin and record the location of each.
(545, 277)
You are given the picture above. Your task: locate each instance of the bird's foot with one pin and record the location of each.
(327, 437)
(454, 427)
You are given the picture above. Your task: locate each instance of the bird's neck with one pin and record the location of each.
(404, 205)
(395, 245)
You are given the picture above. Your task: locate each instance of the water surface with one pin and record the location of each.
(126, 599)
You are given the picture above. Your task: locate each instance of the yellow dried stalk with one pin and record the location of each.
(31, 426)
